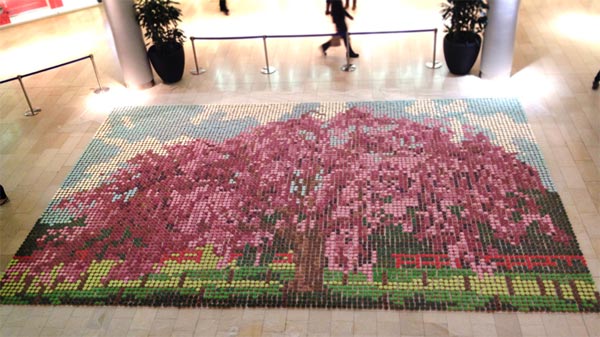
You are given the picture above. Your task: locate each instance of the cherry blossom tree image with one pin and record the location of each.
(324, 186)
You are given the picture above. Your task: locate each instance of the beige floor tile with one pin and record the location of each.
(483, 325)
(206, 313)
(30, 331)
(118, 326)
(206, 328)
(411, 323)
(388, 328)
(583, 200)
(556, 325)
(342, 315)
(364, 327)
(507, 325)
(124, 312)
(319, 327)
(186, 320)
(319, 315)
(577, 325)
(295, 328)
(294, 314)
(592, 323)
(162, 327)
(52, 332)
(253, 314)
(250, 328)
(143, 318)
(11, 331)
(138, 333)
(572, 177)
(459, 324)
(342, 328)
(588, 170)
(388, 316)
(275, 321)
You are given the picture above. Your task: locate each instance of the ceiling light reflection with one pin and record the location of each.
(117, 97)
(578, 26)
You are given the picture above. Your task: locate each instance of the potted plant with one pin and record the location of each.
(464, 21)
(159, 20)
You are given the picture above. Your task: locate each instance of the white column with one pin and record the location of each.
(129, 44)
(499, 39)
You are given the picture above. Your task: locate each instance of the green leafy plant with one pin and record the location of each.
(463, 17)
(160, 20)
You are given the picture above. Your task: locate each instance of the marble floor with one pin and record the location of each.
(557, 54)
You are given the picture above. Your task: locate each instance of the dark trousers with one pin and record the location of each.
(223, 6)
(2, 193)
(596, 81)
(353, 4)
(344, 37)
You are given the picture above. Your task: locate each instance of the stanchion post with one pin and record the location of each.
(198, 70)
(100, 87)
(348, 67)
(267, 70)
(434, 64)
(32, 111)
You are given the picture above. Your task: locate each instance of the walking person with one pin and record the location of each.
(3, 196)
(223, 7)
(335, 8)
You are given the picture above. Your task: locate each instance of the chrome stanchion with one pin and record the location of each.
(267, 70)
(32, 111)
(100, 87)
(348, 67)
(434, 64)
(197, 71)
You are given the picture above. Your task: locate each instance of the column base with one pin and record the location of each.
(141, 86)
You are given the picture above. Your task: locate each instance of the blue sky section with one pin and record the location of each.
(300, 109)
(218, 129)
(97, 152)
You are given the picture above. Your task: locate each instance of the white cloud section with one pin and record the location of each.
(98, 172)
(503, 128)
(264, 113)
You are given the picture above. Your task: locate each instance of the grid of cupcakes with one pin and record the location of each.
(416, 282)
(360, 210)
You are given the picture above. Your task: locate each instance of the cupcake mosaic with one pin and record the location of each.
(422, 204)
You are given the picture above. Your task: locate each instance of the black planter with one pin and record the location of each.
(168, 62)
(461, 51)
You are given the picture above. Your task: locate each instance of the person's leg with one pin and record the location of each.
(347, 4)
(348, 45)
(325, 46)
(223, 6)
(3, 196)
(596, 81)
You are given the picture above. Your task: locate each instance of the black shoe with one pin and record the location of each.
(226, 12)
(595, 85)
(324, 50)
(354, 55)
(4, 201)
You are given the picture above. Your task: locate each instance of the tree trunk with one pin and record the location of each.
(309, 259)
